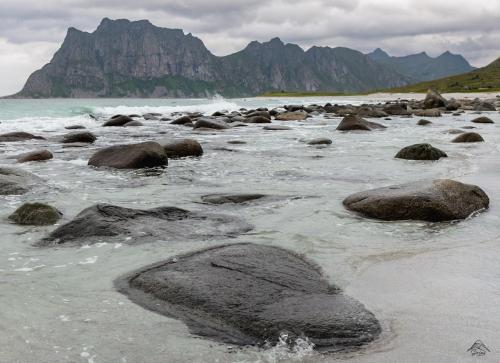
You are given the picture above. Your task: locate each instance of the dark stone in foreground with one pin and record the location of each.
(427, 200)
(483, 120)
(420, 152)
(132, 156)
(36, 214)
(19, 136)
(14, 181)
(38, 155)
(249, 294)
(102, 222)
(353, 122)
(468, 137)
(230, 198)
(181, 148)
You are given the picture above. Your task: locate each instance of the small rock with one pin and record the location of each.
(483, 120)
(468, 137)
(36, 214)
(420, 152)
(230, 198)
(73, 137)
(38, 155)
(19, 136)
(423, 122)
(354, 122)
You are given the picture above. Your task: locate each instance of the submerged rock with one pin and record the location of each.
(181, 148)
(250, 294)
(132, 156)
(319, 141)
(431, 112)
(79, 136)
(230, 198)
(105, 221)
(427, 200)
(38, 155)
(276, 128)
(423, 122)
(19, 136)
(353, 122)
(483, 120)
(134, 123)
(75, 127)
(14, 181)
(36, 214)
(468, 137)
(420, 152)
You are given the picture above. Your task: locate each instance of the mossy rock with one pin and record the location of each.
(37, 214)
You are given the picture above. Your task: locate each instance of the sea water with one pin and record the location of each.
(435, 287)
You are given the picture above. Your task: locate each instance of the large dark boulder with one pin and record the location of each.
(468, 137)
(354, 122)
(79, 136)
(118, 120)
(132, 156)
(35, 214)
(38, 155)
(19, 136)
(483, 120)
(427, 200)
(181, 148)
(420, 152)
(434, 100)
(14, 181)
(249, 294)
(104, 222)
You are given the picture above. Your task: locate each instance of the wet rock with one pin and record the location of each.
(434, 100)
(264, 114)
(15, 181)
(371, 112)
(36, 214)
(248, 294)
(469, 127)
(483, 120)
(207, 123)
(72, 137)
(319, 141)
(292, 116)
(258, 120)
(19, 136)
(236, 142)
(181, 148)
(230, 198)
(396, 109)
(431, 112)
(423, 122)
(182, 121)
(134, 123)
(420, 152)
(118, 120)
(468, 137)
(276, 128)
(151, 116)
(453, 105)
(75, 127)
(427, 200)
(354, 122)
(38, 155)
(104, 221)
(131, 156)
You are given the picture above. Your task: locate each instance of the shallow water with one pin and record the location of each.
(433, 286)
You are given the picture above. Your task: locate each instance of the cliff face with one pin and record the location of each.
(137, 59)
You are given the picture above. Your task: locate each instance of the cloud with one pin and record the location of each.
(31, 29)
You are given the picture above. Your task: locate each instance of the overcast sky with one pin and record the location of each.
(32, 30)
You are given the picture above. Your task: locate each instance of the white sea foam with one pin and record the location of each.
(209, 107)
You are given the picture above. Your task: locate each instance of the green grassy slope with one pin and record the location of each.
(486, 79)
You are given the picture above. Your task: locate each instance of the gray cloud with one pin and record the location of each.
(30, 30)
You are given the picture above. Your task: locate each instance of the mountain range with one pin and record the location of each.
(123, 58)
